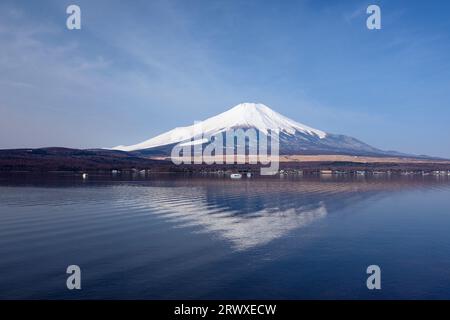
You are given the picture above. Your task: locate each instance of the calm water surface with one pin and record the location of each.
(172, 237)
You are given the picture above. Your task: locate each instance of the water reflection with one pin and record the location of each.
(255, 212)
(246, 213)
(188, 237)
(243, 227)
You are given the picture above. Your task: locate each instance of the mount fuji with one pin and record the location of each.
(295, 138)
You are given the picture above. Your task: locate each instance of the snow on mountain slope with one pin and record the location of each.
(244, 115)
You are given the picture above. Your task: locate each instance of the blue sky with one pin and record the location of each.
(139, 68)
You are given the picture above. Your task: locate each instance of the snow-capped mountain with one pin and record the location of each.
(295, 138)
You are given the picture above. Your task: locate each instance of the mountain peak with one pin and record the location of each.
(244, 115)
(263, 118)
(249, 110)
(251, 106)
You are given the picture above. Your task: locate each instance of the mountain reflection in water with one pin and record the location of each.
(176, 236)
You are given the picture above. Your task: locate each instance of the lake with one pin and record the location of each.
(210, 237)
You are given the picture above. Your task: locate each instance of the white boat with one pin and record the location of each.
(236, 176)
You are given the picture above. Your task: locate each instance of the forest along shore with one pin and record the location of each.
(76, 160)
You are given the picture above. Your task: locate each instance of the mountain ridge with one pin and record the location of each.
(295, 137)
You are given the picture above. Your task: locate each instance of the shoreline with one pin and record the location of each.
(74, 160)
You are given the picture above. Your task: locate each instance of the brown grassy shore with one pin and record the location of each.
(314, 163)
